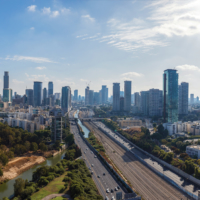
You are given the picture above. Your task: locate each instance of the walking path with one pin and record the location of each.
(51, 196)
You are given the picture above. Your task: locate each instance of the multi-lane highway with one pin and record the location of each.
(103, 182)
(146, 182)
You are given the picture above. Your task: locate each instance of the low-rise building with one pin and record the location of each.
(193, 151)
(129, 122)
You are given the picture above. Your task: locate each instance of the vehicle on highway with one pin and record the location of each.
(91, 172)
(91, 152)
(99, 176)
(86, 148)
(113, 198)
(106, 198)
(118, 187)
(84, 152)
(111, 190)
(104, 174)
(92, 165)
(89, 168)
(95, 156)
(107, 190)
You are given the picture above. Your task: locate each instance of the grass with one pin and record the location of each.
(60, 198)
(52, 188)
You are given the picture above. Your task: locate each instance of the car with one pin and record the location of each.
(104, 174)
(91, 152)
(107, 190)
(111, 190)
(86, 148)
(95, 156)
(99, 176)
(84, 152)
(113, 198)
(118, 187)
(91, 172)
(89, 168)
(92, 165)
(106, 198)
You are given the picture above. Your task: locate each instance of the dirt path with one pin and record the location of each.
(20, 164)
(51, 196)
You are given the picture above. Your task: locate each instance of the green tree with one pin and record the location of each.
(43, 147)
(160, 129)
(5, 198)
(69, 139)
(27, 145)
(3, 158)
(19, 186)
(34, 146)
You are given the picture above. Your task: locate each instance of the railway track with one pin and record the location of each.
(146, 182)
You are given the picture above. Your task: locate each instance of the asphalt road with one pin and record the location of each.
(104, 182)
(146, 182)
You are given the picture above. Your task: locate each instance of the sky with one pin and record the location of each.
(97, 42)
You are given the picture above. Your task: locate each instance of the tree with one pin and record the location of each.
(160, 129)
(5, 198)
(3, 159)
(43, 147)
(69, 139)
(1, 172)
(19, 186)
(57, 143)
(27, 145)
(34, 146)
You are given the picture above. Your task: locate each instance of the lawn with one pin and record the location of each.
(52, 188)
(60, 198)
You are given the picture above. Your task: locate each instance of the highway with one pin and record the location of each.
(104, 182)
(146, 182)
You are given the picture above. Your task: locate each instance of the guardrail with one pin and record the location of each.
(149, 166)
(110, 168)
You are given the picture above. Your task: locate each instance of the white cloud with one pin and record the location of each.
(80, 36)
(42, 78)
(32, 28)
(188, 67)
(46, 10)
(83, 80)
(55, 13)
(88, 17)
(41, 68)
(131, 74)
(17, 82)
(32, 8)
(26, 75)
(65, 11)
(28, 58)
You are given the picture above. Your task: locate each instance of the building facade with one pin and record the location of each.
(116, 97)
(127, 96)
(155, 102)
(6, 80)
(75, 95)
(191, 99)
(183, 91)
(104, 94)
(170, 95)
(87, 89)
(29, 94)
(91, 97)
(7, 95)
(144, 102)
(37, 93)
(66, 99)
(50, 88)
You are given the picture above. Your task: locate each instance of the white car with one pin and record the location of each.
(106, 198)
(113, 198)
(92, 165)
(107, 190)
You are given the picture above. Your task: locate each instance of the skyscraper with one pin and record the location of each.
(6, 80)
(96, 98)
(87, 95)
(144, 102)
(104, 92)
(66, 98)
(183, 98)
(127, 96)
(75, 95)
(7, 95)
(37, 93)
(191, 99)
(91, 97)
(116, 97)
(155, 102)
(170, 95)
(45, 96)
(137, 99)
(29, 94)
(50, 88)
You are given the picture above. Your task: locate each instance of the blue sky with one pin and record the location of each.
(73, 42)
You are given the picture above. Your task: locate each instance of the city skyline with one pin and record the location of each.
(71, 44)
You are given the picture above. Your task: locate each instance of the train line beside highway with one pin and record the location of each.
(146, 182)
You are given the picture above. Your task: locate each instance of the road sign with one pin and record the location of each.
(118, 195)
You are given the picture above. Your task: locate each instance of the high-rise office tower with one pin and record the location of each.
(57, 96)
(45, 96)
(87, 95)
(116, 97)
(132, 98)
(121, 93)
(170, 95)
(137, 99)
(104, 94)
(121, 104)
(29, 94)
(7, 95)
(100, 96)
(197, 99)
(66, 98)
(50, 88)
(6, 80)
(144, 102)
(127, 96)
(183, 91)
(37, 93)
(91, 97)
(155, 102)
(96, 98)
(75, 95)
(191, 99)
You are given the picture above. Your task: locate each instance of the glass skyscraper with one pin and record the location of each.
(170, 95)
(6, 80)
(50, 89)
(29, 94)
(37, 93)
(66, 98)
